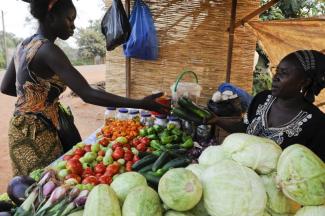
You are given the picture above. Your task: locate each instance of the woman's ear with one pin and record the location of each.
(305, 84)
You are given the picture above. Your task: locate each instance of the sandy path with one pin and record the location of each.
(87, 117)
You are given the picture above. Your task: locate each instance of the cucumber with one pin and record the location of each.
(153, 180)
(146, 168)
(144, 161)
(177, 162)
(186, 115)
(143, 154)
(160, 161)
(178, 152)
(192, 107)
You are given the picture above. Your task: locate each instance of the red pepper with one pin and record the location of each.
(118, 153)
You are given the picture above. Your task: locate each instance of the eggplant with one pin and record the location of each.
(17, 187)
(5, 213)
(5, 206)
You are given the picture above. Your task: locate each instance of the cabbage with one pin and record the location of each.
(180, 189)
(311, 211)
(260, 154)
(197, 169)
(142, 201)
(212, 155)
(199, 209)
(175, 213)
(266, 214)
(230, 189)
(301, 175)
(277, 202)
(125, 182)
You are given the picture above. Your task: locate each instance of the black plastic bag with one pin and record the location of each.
(68, 132)
(231, 107)
(115, 25)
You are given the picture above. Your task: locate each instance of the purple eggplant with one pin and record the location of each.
(17, 187)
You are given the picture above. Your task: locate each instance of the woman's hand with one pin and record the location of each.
(150, 103)
(212, 120)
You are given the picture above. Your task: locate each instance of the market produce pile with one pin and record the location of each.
(136, 170)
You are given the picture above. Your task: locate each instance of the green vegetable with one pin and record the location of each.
(176, 213)
(143, 154)
(172, 146)
(157, 152)
(311, 211)
(184, 114)
(151, 130)
(166, 139)
(125, 182)
(102, 201)
(144, 161)
(199, 209)
(160, 172)
(212, 155)
(61, 164)
(177, 162)
(187, 144)
(146, 168)
(153, 136)
(37, 174)
(155, 144)
(186, 103)
(231, 187)
(77, 213)
(108, 160)
(151, 179)
(170, 126)
(160, 161)
(177, 131)
(89, 157)
(142, 201)
(122, 140)
(180, 189)
(158, 128)
(95, 147)
(301, 175)
(143, 132)
(197, 169)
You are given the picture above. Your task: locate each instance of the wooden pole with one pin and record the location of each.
(231, 38)
(4, 38)
(128, 60)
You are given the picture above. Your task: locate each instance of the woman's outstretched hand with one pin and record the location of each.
(150, 103)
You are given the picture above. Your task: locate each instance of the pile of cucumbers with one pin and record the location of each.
(190, 111)
(169, 145)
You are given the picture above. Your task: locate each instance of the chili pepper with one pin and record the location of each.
(187, 144)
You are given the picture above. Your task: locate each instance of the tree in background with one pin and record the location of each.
(11, 42)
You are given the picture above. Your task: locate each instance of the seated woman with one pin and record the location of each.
(286, 114)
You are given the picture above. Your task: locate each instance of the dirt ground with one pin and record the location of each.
(87, 117)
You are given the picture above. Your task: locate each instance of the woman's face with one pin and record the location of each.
(288, 80)
(63, 24)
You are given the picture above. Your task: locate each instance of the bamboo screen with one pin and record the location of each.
(192, 34)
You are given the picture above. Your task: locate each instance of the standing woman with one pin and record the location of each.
(286, 114)
(38, 73)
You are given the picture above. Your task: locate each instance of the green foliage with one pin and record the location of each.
(12, 42)
(261, 80)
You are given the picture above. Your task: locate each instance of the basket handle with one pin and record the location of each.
(180, 76)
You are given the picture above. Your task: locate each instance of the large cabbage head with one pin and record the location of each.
(230, 189)
(123, 184)
(311, 211)
(175, 213)
(199, 209)
(258, 153)
(180, 189)
(301, 175)
(277, 202)
(212, 155)
(197, 169)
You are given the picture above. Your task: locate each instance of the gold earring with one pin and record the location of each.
(301, 91)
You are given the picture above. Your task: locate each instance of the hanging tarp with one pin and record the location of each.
(280, 37)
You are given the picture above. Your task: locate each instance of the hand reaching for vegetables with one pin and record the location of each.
(150, 103)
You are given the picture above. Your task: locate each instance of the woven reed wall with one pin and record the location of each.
(192, 34)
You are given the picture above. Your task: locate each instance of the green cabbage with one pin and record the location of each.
(142, 201)
(301, 175)
(197, 169)
(175, 213)
(230, 189)
(180, 189)
(277, 202)
(125, 182)
(212, 155)
(311, 211)
(266, 214)
(199, 209)
(258, 153)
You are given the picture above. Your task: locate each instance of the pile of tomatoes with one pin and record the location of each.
(121, 128)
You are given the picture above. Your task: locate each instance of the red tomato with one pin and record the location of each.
(104, 142)
(135, 158)
(136, 142)
(67, 157)
(90, 180)
(118, 153)
(113, 169)
(98, 175)
(128, 155)
(87, 172)
(128, 166)
(87, 148)
(105, 179)
(76, 157)
(100, 168)
(115, 145)
(80, 152)
(74, 166)
(145, 140)
(74, 176)
(101, 153)
(141, 147)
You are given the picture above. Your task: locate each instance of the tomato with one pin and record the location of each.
(67, 157)
(145, 140)
(74, 166)
(101, 153)
(128, 155)
(76, 157)
(105, 179)
(128, 166)
(87, 172)
(80, 152)
(74, 176)
(136, 142)
(118, 153)
(113, 169)
(135, 158)
(98, 175)
(104, 142)
(90, 180)
(141, 147)
(100, 168)
(115, 145)
(87, 148)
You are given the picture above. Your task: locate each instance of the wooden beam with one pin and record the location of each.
(255, 13)
(127, 60)
(231, 38)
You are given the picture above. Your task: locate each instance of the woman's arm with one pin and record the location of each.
(8, 86)
(54, 58)
(231, 125)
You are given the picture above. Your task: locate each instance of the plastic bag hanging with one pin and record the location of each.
(115, 25)
(143, 42)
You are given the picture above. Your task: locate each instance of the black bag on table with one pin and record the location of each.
(115, 25)
(227, 108)
(68, 132)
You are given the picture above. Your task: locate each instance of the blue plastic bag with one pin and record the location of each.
(142, 43)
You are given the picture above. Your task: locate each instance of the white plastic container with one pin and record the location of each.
(123, 114)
